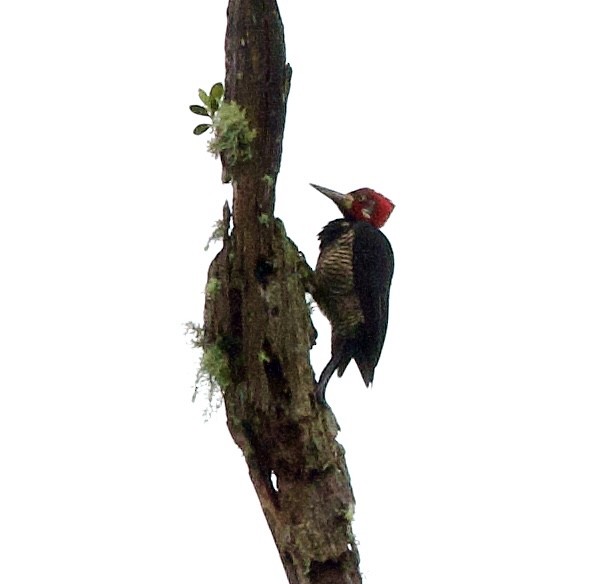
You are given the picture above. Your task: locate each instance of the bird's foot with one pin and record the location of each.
(320, 394)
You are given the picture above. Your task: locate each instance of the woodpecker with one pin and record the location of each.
(352, 281)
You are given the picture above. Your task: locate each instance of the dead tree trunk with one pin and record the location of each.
(258, 320)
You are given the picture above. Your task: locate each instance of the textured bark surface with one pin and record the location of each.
(259, 319)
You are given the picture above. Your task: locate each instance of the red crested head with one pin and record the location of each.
(370, 206)
(361, 205)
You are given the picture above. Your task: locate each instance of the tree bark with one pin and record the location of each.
(259, 320)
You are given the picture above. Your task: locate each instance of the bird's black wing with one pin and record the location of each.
(373, 270)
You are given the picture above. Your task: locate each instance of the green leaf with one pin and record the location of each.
(204, 97)
(213, 104)
(217, 91)
(201, 128)
(199, 110)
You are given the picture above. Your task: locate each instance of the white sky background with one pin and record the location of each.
(472, 458)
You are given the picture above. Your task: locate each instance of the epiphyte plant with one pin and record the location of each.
(212, 102)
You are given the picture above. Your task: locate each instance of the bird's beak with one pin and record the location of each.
(341, 200)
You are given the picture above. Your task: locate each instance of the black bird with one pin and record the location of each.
(352, 281)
